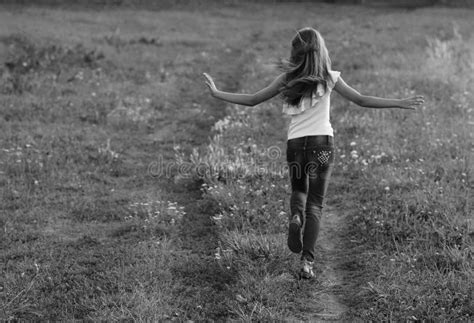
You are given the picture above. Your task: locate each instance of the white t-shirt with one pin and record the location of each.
(311, 116)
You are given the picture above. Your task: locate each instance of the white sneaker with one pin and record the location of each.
(307, 269)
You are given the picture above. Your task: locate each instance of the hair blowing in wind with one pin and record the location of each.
(308, 66)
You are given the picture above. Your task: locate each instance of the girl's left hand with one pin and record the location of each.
(210, 83)
(412, 103)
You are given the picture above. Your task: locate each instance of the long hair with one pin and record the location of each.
(308, 66)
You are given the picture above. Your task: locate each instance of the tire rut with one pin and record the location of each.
(208, 282)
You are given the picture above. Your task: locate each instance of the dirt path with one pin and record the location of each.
(322, 299)
(331, 276)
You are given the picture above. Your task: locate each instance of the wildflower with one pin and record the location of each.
(240, 298)
(217, 255)
(217, 217)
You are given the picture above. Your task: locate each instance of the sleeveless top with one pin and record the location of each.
(311, 116)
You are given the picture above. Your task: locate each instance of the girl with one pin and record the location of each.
(305, 87)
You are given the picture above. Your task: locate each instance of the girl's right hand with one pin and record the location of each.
(210, 84)
(412, 103)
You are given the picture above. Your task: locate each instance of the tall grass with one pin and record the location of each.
(86, 108)
(413, 205)
(403, 179)
(86, 233)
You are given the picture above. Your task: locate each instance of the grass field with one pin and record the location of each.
(129, 193)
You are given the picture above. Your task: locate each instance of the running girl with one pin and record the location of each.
(305, 87)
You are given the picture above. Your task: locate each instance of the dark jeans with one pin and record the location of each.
(310, 162)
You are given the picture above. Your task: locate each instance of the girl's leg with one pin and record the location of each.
(319, 174)
(299, 188)
(298, 198)
(299, 182)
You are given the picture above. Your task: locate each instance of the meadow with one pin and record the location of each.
(128, 193)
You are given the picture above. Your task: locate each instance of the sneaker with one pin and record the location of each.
(307, 269)
(294, 235)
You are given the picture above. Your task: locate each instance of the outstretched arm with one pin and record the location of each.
(246, 99)
(375, 102)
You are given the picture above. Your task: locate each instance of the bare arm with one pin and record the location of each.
(375, 102)
(246, 99)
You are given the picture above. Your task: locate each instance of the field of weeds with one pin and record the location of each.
(129, 193)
